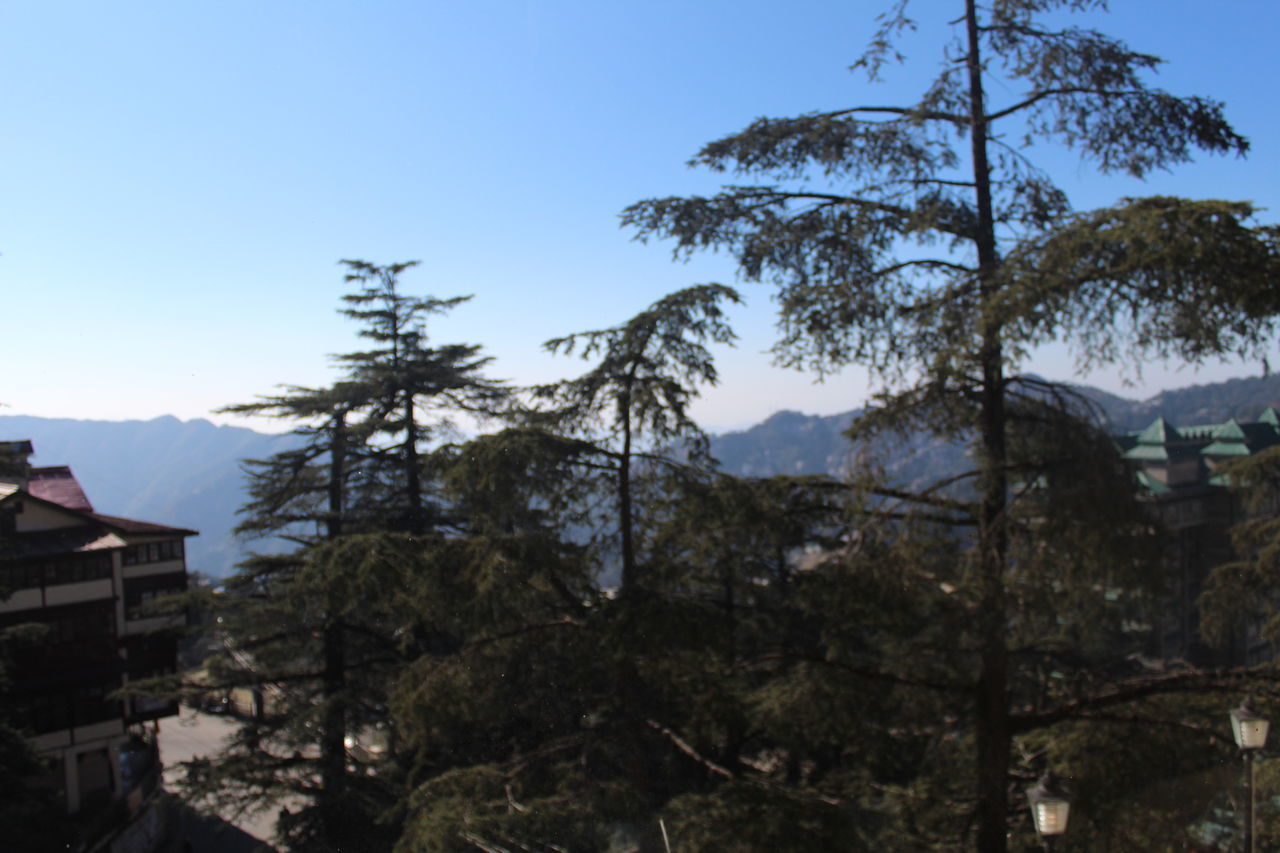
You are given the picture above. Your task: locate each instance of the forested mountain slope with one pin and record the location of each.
(794, 443)
(187, 473)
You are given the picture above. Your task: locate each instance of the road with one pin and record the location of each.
(193, 735)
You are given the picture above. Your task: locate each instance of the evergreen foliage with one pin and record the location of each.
(646, 376)
(30, 808)
(918, 241)
(788, 663)
(321, 632)
(1239, 598)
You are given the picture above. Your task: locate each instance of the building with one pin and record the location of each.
(82, 578)
(1181, 468)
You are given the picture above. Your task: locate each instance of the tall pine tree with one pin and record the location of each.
(407, 380)
(322, 630)
(917, 240)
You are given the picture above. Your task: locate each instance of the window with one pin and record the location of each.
(72, 568)
(153, 552)
(140, 591)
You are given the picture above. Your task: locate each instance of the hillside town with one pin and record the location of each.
(408, 564)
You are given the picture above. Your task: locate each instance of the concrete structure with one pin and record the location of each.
(1182, 470)
(81, 578)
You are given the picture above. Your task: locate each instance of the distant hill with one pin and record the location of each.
(188, 474)
(1242, 399)
(793, 443)
(183, 473)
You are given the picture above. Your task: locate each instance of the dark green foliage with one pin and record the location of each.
(406, 380)
(575, 721)
(1239, 598)
(1152, 276)
(791, 663)
(322, 633)
(632, 406)
(917, 241)
(31, 809)
(1145, 777)
(570, 717)
(899, 176)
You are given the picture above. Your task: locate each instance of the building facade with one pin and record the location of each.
(73, 585)
(1181, 468)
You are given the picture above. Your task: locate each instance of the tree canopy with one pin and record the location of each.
(579, 635)
(921, 241)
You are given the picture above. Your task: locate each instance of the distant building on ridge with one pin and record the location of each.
(1181, 468)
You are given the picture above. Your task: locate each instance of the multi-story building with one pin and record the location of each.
(1182, 470)
(80, 579)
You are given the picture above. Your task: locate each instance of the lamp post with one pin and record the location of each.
(1050, 806)
(1250, 731)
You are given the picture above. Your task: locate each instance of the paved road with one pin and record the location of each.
(193, 735)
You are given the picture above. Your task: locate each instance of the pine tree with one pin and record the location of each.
(553, 724)
(322, 630)
(937, 250)
(645, 377)
(303, 495)
(402, 375)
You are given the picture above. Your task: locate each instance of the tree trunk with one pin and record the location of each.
(624, 495)
(409, 459)
(333, 749)
(991, 699)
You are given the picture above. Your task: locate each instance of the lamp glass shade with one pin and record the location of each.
(1051, 816)
(1252, 734)
(1050, 805)
(1248, 727)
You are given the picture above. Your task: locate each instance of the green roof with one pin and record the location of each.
(1160, 432)
(1162, 444)
(1228, 440)
(1151, 484)
(1151, 443)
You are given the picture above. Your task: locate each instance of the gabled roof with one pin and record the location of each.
(58, 485)
(128, 525)
(94, 520)
(1153, 443)
(1162, 444)
(1228, 440)
(1160, 432)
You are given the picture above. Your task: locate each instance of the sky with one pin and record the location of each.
(179, 179)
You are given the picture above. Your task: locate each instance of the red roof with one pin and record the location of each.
(58, 485)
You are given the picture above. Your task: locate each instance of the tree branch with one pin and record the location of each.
(901, 112)
(685, 747)
(863, 672)
(1179, 682)
(1049, 93)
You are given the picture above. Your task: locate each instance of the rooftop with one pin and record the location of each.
(58, 485)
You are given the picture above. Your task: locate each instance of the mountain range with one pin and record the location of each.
(794, 443)
(188, 473)
(168, 471)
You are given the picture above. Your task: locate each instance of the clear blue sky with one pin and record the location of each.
(178, 179)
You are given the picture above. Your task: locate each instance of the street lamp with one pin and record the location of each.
(1250, 731)
(1050, 806)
